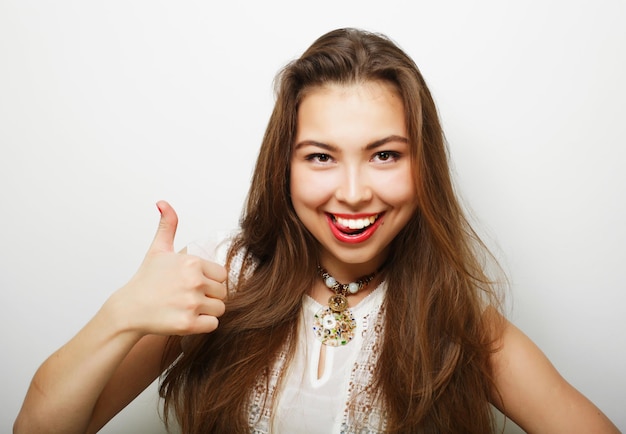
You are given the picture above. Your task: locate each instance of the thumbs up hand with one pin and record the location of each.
(171, 293)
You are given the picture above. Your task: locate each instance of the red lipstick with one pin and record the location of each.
(352, 236)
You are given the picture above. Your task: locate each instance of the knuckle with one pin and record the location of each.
(190, 302)
(191, 262)
(184, 324)
(193, 280)
(196, 282)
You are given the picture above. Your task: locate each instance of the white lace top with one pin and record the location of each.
(312, 403)
(311, 400)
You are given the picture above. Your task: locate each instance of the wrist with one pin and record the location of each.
(116, 314)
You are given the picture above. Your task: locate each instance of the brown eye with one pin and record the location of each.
(323, 157)
(319, 158)
(386, 156)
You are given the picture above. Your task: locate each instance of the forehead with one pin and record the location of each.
(340, 113)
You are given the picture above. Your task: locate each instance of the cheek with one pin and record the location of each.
(297, 188)
(398, 189)
(309, 189)
(403, 194)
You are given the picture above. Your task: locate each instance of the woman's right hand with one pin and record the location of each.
(119, 352)
(171, 293)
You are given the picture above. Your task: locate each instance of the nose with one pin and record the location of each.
(354, 187)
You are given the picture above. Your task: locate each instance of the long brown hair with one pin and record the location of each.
(433, 373)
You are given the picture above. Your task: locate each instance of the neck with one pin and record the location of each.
(346, 273)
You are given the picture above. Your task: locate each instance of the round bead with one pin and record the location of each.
(353, 288)
(330, 281)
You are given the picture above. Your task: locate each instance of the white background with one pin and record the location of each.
(107, 107)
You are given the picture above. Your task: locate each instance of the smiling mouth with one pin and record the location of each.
(353, 226)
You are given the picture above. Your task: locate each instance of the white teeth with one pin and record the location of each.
(356, 223)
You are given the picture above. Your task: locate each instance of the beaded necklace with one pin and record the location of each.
(334, 325)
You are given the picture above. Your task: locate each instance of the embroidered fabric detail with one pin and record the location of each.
(234, 270)
(259, 408)
(363, 413)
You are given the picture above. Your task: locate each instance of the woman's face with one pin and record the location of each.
(351, 176)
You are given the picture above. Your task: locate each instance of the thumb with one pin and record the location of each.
(164, 238)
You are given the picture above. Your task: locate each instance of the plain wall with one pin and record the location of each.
(107, 107)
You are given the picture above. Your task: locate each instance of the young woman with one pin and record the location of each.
(354, 298)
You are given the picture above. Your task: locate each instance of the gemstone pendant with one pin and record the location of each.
(334, 328)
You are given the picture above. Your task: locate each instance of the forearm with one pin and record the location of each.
(65, 389)
(120, 351)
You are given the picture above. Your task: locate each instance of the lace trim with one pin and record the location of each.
(363, 413)
(259, 408)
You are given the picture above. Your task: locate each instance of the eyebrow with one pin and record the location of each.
(370, 146)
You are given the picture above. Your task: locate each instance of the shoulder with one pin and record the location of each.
(532, 393)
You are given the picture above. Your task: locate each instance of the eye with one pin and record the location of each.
(319, 158)
(386, 156)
